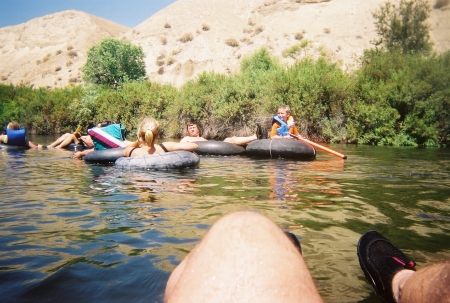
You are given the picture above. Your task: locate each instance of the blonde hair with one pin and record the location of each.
(148, 131)
(13, 125)
(286, 108)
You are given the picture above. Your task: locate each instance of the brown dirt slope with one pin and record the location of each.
(192, 36)
(50, 51)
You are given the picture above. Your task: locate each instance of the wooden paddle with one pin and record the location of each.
(320, 147)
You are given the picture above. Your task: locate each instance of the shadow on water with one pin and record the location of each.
(95, 283)
(75, 232)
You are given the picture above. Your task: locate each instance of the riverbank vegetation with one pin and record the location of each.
(399, 95)
(392, 99)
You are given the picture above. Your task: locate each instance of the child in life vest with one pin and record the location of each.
(283, 124)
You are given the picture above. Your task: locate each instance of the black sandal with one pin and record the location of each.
(380, 260)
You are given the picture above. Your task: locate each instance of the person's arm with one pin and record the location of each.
(290, 122)
(192, 139)
(79, 155)
(273, 132)
(294, 131)
(2, 138)
(174, 146)
(87, 140)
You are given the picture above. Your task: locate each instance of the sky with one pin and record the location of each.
(125, 12)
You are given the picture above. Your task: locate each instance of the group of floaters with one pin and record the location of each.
(100, 141)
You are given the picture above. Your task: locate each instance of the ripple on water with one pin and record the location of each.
(90, 232)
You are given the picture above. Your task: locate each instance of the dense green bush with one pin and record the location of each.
(413, 90)
(392, 99)
(40, 110)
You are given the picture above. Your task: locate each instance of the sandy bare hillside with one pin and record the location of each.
(191, 36)
(50, 51)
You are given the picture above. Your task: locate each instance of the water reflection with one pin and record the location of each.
(76, 232)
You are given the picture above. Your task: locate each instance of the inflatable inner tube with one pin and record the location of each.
(164, 161)
(12, 147)
(76, 147)
(218, 148)
(281, 148)
(104, 156)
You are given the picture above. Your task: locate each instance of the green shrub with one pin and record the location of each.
(415, 86)
(392, 99)
(404, 26)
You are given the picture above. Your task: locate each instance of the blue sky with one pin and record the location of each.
(126, 12)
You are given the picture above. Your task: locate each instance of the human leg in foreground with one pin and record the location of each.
(393, 275)
(244, 257)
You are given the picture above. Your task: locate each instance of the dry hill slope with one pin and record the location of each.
(50, 51)
(191, 36)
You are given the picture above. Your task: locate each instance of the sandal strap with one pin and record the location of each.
(409, 265)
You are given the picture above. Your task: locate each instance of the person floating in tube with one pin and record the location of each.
(16, 135)
(193, 135)
(283, 124)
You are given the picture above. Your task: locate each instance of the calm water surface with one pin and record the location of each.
(74, 232)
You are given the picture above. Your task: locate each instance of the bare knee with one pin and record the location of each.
(242, 247)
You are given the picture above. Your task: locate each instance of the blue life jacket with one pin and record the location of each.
(16, 137)
(283, 130)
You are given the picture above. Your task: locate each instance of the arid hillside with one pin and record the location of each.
(192, 36)
(50, 51)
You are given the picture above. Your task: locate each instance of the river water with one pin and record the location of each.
(75, 232)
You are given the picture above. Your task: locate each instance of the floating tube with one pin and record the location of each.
(76, 147)
(165, 161)
(104, 156)
(12, 147)
(281, 148)
(218, 148)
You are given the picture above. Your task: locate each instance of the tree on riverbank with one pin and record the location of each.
(403, 27)
(113, 61)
